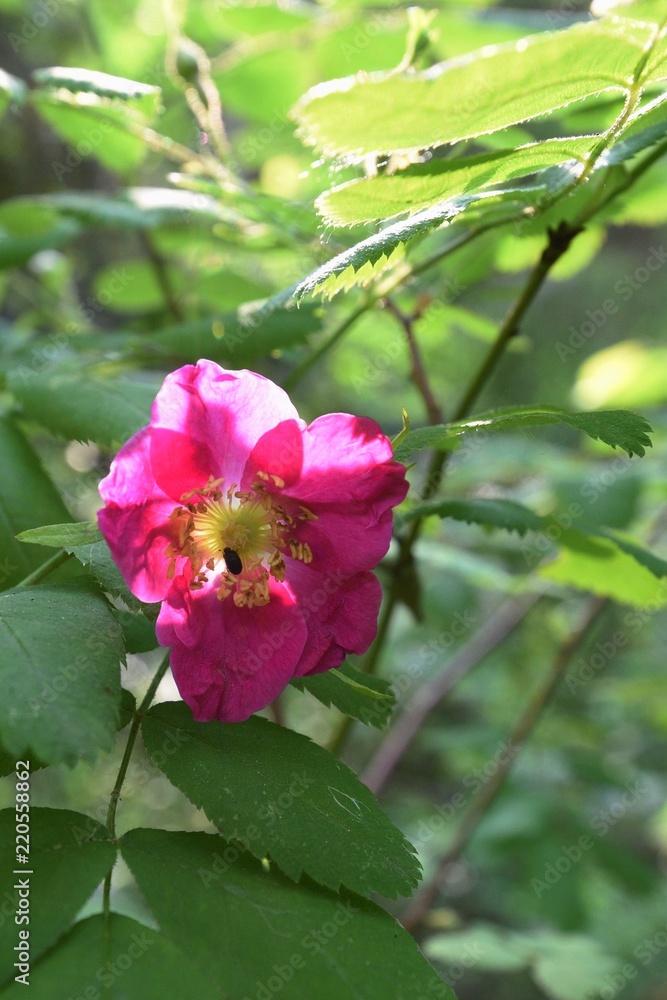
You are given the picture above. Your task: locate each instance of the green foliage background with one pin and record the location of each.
(138, 235)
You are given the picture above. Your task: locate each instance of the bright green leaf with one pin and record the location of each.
(598, 565)
(279, 793)
(381, 113)
(427, 184)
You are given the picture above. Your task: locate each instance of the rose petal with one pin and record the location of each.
(242, 658)
(341, 615)
(135, 520)
(229, 410)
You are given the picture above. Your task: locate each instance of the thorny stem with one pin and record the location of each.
(419, 907)
(120, 778)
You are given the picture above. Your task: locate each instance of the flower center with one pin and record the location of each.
(239, 534)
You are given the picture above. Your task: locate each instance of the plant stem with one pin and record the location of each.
(47, 567)
(417, 910)
(418, 374)
(494, 631)
(120, 778)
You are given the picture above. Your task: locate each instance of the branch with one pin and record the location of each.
(429, 695)
(418, 373)
(414, 916)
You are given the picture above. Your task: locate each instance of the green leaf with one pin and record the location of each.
(617, 428)
(318, 945)
(12, 91)
(60, 650)
(27, 228)
(109, 130)
(437, 181)
(357, 117)
(138, 632)
(353, 692)
(59, 536)
(366, 260)
(85, 408)
(235, 339)
(69, 855)
(506, 514)
(135, 208)
(90, 81)
(131, 962)
(279, 793)
(654, 563)
(27, 497)
(85, 541)
(569, 967)
(598, 565)
(644, 128)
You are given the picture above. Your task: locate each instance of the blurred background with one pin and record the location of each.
(116, 226)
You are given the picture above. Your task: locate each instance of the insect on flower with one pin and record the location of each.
(233, 560)
(256, 531)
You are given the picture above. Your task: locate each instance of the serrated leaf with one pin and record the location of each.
(85, 408)
(379, 113)
(8, 761)
(596, 564)
(308, 811)
(366, 260)
(27, 498)
(60, 653)
(653, 563)
(643, 129)
(506, 514)
(131, 961)
(427, 184)
(91, 81)
(203, 890)
(69, 855)
(617, 428)
(357, 694)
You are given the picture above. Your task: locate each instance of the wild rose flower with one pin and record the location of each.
(256, 531)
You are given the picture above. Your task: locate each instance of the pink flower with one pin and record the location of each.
(256, 531)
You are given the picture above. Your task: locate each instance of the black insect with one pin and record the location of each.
(233, 560)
